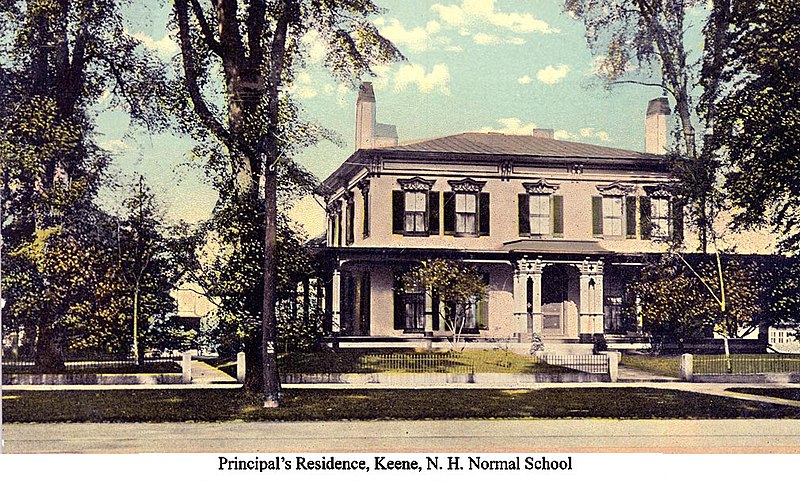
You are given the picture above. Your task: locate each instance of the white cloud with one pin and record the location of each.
(564, 135)
(583, 134)
(510, 125)
(115, 146)
(590, 132)
(552, 75)
(414, 74)
(472, 12)
(416, 39)
(524, 80)
(303, 86)
(164, 47)
(315, 46)
(482, 38)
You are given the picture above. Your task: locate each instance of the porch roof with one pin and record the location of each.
(579, 247)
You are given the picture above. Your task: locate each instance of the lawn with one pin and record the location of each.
(663, 365)
(781, 393)
(366, 361)
(347, 404)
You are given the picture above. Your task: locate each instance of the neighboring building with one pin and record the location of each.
(783, 340)
(557, 228)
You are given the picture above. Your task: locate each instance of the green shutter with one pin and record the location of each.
(630, 217)
(524, 214)
(435, 307)
(399, 303)
(365, 233)
(676, 206)
(433, 212)
(645, 223)
(398, 211)
(483, 214)
(449, 213)
(597, 216)
(557, 208)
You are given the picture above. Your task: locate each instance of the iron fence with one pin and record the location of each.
(745, 364)
(414, 362)
(74, 363)
(590, 363)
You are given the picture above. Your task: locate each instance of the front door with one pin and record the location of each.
(554, 294)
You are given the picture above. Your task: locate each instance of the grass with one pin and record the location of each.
(377, 404)
(781, 393)
(662, 365)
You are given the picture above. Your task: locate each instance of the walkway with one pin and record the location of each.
(461, 436)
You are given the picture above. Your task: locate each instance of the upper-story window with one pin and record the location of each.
(612, 216)
(350, 208)
(659, 217)
(539, 214)
(466, 208)
(611, 213)
(416, 212)
(661, 214)
(541, 211)
(415, 208)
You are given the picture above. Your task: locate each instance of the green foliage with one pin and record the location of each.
(457, 285)
(758, 124)
(677, 305)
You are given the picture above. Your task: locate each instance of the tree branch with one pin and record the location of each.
(205, 29)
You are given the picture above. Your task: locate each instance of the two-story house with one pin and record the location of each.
(557, 228)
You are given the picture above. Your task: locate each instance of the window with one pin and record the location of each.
(540, 210)
(416, 212)
(612, 216)
(466, 213)
(659, 217)
(539, 214)
(351, 220)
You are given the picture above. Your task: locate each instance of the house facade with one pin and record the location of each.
(556, 229)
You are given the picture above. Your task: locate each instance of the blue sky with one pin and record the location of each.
(472, 65)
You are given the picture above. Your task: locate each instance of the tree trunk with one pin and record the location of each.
(47, 357)
(272, 383)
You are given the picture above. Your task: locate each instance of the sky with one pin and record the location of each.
(471, 65)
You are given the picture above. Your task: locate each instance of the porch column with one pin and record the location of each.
(336, 302)
(528, 270)
(520, 300)
(591, 306)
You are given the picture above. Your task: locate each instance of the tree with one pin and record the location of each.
(679, 302)
(646, 42)
(258, 45)
(458, 287)
(758, 121)
(59, 57)
(146, 269)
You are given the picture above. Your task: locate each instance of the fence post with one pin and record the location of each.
(241, 367)
(687, 367)
(186, 367)
(613, 365)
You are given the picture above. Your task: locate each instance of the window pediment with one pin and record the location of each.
(615, 189)
(416, 184)
(467, 185)
(541, 187)
(659, 191)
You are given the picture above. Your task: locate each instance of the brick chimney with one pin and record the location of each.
(655, 126)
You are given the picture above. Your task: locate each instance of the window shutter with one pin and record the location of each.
(630, 217)
(398, 211)
(524, 215)
(597, 216)
(433, 212)
(677, 220)
(435, 306)
(483, 214)
(365, 233)
(449, 213)
(557, 207)
(399, 304)
(646, 225)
